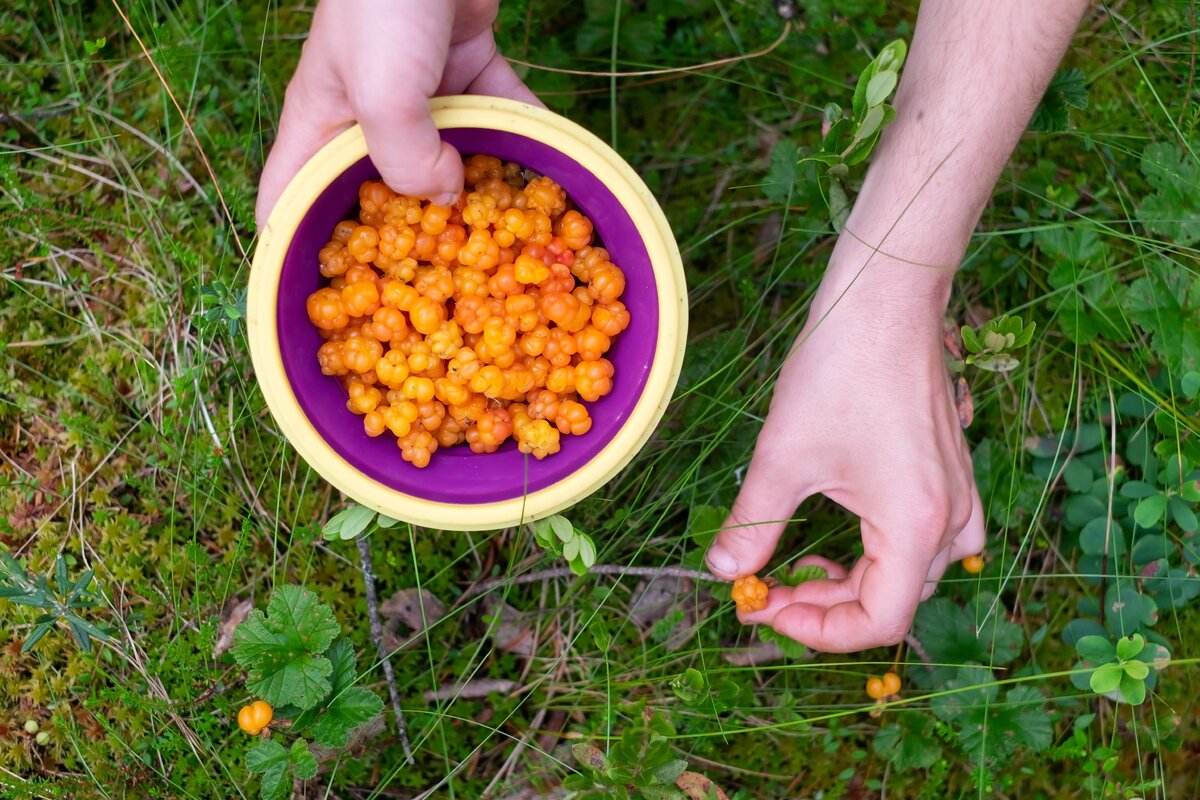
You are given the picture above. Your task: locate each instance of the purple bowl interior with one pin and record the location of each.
(457, 475)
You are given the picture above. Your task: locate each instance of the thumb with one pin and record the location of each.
(759, 515)
(405, 146)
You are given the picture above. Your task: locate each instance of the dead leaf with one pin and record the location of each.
(698, 787)
(508, 627)
(660, 597)
(233, 616)
(472, 690)
(417, 609)
(761, 653)
(952, 339)
(964, 402)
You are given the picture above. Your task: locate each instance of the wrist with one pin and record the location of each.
(881, 285)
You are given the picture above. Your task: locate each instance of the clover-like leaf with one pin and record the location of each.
(1096, 649)
(281, 650)
(1129, 646)
(1106, 678)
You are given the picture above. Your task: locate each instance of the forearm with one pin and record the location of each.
(973, 79)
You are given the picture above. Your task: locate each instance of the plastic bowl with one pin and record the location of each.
(461, 490)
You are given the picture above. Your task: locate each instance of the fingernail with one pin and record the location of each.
(722, 562)
(445, 199)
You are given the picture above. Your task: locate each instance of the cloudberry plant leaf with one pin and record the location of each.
(1173, 210)
(275, 763)
(349, 706)
(979, 633)
(782, 173)
(281, 650)
(990, 729)
(910, 744)
(1067, 89)
(1166, 304)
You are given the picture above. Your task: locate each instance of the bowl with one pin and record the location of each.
(461, 490)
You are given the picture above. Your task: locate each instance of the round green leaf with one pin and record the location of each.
(1096, 649)
(563, 528)
(1184, 517)
(1098, 536)
(1106, 678)
(1132, 689)
(1191, 381)
(1124, 609)
(1130, 646)
(1150, 510)
(1136, 670)
(1151, 548)
(870, 123)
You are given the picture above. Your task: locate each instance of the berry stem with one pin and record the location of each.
(364, 552)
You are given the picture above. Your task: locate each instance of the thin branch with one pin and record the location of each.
(364, 552)
(598, 569)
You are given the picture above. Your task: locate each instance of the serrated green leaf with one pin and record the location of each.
(1067, 89)
(348, 707)
(269, 758)
(281, 649)
(1173, 210)
(954, 635)
(911, 744)
(782, 172)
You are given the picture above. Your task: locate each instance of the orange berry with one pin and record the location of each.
(417, 446)
(254, 718)
(606, 283)
(326, 309)
(875, 688)
(342, 231)
(361, 299)
(593, 379)
(610, 319)
(392, 369)
(537, 438)
(572, 417)
(334, 259)
(891, 683)
(418, 389)
(749, 594)
(363, 244)
(434, 219)
(591, 344)
(361, 353)
(330, 359)
(427, 315)
(973, 564)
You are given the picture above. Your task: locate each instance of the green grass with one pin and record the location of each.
(135, 441)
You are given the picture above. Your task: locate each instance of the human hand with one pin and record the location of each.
(864, 414)
(377, 62)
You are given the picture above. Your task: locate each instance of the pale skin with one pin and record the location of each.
(863, 411)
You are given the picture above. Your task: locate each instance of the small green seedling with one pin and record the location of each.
(559, 536)
(1119, 670)
(991, 348)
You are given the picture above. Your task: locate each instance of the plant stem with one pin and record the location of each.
(364, 552)
(598, 569)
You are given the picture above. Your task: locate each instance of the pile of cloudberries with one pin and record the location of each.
(477, 322)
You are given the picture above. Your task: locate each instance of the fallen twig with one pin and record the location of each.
(364, 552)
(598, 569)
